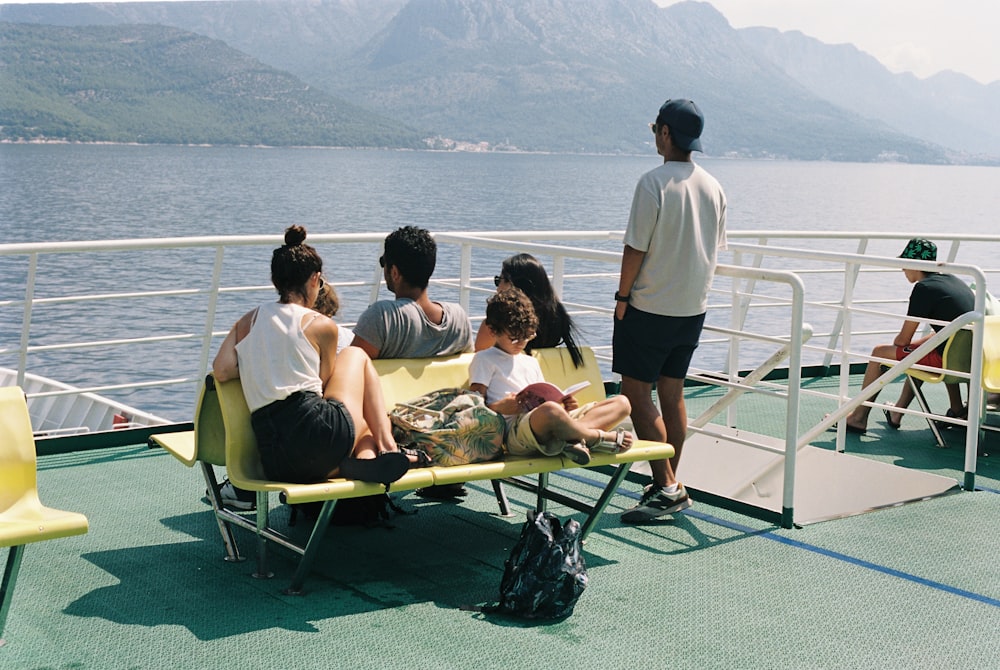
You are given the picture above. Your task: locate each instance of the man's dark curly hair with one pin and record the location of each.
(414, 253)
(510, 311)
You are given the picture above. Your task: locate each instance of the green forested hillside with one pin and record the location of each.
(154, 84)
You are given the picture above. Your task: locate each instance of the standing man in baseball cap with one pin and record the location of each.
(675, 230)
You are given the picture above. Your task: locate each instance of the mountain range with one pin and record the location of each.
(540, 75)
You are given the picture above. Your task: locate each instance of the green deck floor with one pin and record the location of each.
(916, 586)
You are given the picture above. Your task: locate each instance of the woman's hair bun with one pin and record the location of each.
(294, 236)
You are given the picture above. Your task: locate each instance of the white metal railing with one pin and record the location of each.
(178, 296)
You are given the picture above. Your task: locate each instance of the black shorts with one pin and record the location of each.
(649, 346)
(302, 438)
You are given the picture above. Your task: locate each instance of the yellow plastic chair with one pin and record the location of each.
(206, 446)
(991, 354)
(23, 518)
(957, 357)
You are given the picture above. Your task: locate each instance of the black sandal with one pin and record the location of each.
(423, 459)
(888, 419)
(383, 469)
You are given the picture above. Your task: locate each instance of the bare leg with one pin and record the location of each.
(355, 383)
(607, 414)
(906, 396)
(551, 422)
(649, 424)
(859, 417)
(671, 394)
(955, 399)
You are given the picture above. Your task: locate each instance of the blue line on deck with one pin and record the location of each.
(769, 535)
(849, 559)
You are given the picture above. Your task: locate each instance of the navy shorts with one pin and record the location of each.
(649, 346)
(302, 438)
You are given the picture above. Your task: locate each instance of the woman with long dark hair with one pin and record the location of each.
(555, 326)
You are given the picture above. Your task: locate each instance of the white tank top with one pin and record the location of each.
(275, 358)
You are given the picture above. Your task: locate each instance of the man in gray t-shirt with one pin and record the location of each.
(412, 325)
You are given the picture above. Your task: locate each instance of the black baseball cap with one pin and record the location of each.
(685, 122)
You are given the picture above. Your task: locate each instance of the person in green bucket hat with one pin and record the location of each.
(937, 296)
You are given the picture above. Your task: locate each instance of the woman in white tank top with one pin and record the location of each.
(315, 414)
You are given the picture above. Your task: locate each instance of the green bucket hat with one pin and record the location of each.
(919, 249)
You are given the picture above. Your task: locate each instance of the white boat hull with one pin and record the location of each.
(74, 413)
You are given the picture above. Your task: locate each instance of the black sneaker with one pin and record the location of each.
(656, 502)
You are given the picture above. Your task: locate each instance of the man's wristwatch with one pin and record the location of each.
(622, 298)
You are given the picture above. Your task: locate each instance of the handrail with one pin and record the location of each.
(756, 276)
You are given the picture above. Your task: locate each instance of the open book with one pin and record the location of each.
(533, 395)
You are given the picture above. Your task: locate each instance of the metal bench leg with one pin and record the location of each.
(312, 547)
(543, 484)
(919, 394)
(501, 494)
(262, 525)
(616, 479)
(225, 529)
(7, 587)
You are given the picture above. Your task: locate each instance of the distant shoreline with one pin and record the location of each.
(971, 162)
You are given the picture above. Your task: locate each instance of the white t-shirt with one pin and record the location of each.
(344, 337)
(502, 373)
(678, 218)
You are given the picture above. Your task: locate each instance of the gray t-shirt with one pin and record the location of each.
(400, 329)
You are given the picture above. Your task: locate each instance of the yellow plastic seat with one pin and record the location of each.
(23, 518)
(206, 447)
(403, 379)
(991, 354)
(957, 356)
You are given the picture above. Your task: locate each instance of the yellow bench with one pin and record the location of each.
(223, 435)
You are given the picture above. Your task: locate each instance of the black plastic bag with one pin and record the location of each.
(545, 573)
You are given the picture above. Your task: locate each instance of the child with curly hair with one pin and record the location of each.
(552, 428)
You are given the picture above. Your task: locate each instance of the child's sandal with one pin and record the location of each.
(577, 452)
(615, 446)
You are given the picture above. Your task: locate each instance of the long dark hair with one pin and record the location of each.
(293, 263)
(555, 326)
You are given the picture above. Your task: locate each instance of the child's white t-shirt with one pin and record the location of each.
(502, 373)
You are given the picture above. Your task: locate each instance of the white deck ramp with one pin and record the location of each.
(828, 484)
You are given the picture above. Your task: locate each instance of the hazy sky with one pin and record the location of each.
(918, 36)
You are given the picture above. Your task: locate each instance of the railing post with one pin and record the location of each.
(29, 297)
(465, 275)
(792, 411)
(213, 301)
(558, 274)
(976, 393)
(851, 273)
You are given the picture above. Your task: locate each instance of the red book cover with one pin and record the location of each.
(533, 395)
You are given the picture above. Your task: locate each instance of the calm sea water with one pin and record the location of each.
(68, 192)
(90, 192)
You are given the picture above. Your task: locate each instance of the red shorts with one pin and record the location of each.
(931, 360)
